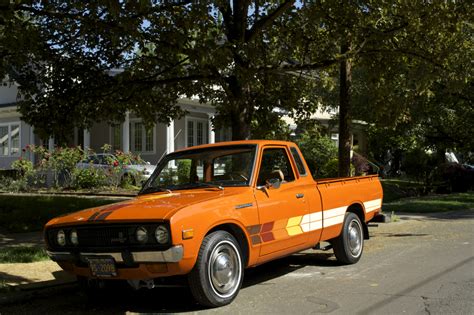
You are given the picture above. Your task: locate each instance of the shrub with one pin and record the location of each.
(419, 165)
(24, 167)
(184, 169)
(456, 177)
(89, 178)
(318, 151)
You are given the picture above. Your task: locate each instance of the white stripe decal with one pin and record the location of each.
(333, 221)
(334, 212)
(312, 221)
(373, 203)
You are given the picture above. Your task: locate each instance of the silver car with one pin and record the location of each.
(135, 172)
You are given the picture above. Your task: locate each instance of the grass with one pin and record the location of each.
(30, 213)
(432, 203)
(22, 254)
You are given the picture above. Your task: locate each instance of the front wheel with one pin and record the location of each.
(349, 245)
(217, 276)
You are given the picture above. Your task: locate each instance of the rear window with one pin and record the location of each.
(298, 161)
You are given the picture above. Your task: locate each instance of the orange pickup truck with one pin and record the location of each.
(210, 211)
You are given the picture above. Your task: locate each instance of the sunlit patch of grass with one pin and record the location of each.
(22, 254)
(434, 203)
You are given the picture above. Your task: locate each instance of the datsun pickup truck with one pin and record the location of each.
(208, 212)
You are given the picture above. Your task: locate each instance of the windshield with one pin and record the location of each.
(203, 168)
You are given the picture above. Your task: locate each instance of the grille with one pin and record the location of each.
(99, 237)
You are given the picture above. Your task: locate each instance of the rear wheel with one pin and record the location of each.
(217, 276)
(349, 245)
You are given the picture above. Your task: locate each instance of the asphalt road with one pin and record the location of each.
(420, 265)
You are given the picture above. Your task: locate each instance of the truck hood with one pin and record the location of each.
(154, 206)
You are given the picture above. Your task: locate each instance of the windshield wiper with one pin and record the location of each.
(209, 185)
(153, 189)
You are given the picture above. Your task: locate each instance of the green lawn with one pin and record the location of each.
(432, 203)
(30, 213)
(22, 254)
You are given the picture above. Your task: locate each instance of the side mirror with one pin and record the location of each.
(274, 182)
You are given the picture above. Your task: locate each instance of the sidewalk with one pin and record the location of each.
(27, 276)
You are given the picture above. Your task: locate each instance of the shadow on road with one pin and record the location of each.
(179, 299)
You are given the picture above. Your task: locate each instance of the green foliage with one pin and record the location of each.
(419, 165)
(318, 151)
(184, 170)
(330, 169)
(13, 184)
(23, 166)
(89, 178)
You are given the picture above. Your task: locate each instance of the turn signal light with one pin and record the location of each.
(188, 234)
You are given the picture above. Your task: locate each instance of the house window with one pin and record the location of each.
(10, 139)
(197, 132)
(141, 139)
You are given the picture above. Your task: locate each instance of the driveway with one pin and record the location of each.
(419, 265)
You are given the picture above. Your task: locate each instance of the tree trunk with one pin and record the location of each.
(241, 125)
(345, 138)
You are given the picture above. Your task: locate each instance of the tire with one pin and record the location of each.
(349, 245)
(217, 276)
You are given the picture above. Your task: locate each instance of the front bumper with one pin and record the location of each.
(171, 255)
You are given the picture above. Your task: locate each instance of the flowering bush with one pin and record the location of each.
(61, 162)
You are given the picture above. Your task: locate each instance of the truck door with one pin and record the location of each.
(280, 209)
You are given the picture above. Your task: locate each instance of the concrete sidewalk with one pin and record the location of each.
(28, 276)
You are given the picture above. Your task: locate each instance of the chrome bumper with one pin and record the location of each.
(173, 254)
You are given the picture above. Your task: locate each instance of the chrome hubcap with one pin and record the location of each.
(355, 238)
(225, 269)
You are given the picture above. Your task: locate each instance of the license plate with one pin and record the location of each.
(102, 267)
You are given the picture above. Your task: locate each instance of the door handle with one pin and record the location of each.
(299, 196)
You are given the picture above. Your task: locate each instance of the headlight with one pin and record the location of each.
(141, 235)
(61, 238)
(162, 235)
(74, 238)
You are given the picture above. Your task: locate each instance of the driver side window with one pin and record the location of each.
(275, 162)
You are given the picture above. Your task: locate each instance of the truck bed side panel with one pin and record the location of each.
(338, 195)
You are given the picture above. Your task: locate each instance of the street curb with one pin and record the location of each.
(38, 290)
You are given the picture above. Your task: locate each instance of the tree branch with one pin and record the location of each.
(266, 20)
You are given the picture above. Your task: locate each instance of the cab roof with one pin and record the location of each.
(240, 142)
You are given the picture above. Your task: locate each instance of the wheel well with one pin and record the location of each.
(239, 235)
(359, 211)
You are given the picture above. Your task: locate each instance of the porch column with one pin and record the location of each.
(32, 143)
(170, 137)
(212, 133)
(51, 144)
(87, 139)
(126, 133)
